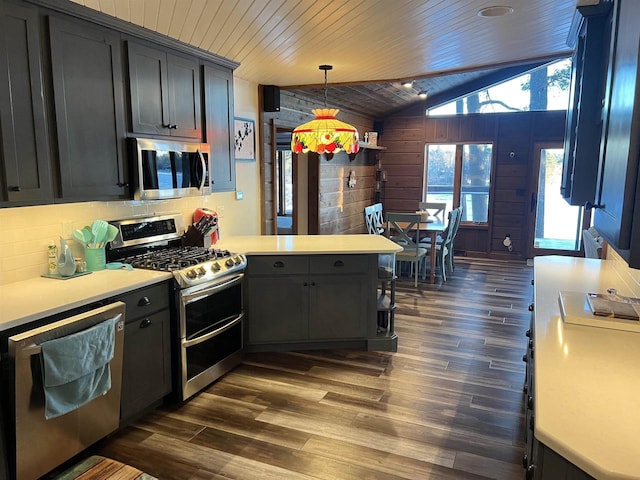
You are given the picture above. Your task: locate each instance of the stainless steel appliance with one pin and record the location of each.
(170, 169)
(207, 304)
(40, 444)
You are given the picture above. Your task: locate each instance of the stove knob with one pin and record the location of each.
(201, 271)
(191, 274)
(229, 262)
(215, 267)
(237, 260)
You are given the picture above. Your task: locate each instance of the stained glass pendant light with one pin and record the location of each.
(325, 134)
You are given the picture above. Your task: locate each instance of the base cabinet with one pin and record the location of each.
(310, 298)
(146, 373)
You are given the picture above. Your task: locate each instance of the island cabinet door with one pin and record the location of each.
(339, 295)
(337, 306)
(277, 298)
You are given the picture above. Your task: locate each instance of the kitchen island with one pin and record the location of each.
(583, 401)
(316, 291)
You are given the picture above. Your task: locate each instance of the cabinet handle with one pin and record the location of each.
(173, 126)
(527, 334)
(525, 389)
(530, 307)
(338, 263)
(531, 470)
(122, 184)
(530, 402)
(278, 264)
(525, 461)
(524, 358)
(144, 301)
(305, 284)
(14, 188)
(145, 323)
(313, 284)
(588, 206)
(532, 282)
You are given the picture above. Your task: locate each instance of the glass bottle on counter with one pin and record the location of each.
(52, 253)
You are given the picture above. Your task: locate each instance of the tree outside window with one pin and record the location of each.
(460, 174)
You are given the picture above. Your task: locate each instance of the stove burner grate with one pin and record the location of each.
(174, 258)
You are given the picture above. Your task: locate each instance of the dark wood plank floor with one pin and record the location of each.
(447, 405)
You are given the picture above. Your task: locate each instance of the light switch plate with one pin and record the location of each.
(239, 194)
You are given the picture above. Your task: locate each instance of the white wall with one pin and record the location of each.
(25, 232)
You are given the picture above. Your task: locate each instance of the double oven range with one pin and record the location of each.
(207, 324)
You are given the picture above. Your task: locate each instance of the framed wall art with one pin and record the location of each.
(245, 139)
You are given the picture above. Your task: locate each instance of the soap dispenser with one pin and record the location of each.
(66, 262)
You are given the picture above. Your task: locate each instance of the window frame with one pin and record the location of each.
(457, 176)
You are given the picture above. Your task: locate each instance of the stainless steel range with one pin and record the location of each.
(208, 325)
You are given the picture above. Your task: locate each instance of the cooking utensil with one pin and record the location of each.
(112, 232)
(99, 230)
(88, 236)
(79, 236)
(118, 266)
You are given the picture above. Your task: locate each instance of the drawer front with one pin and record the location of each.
(338, 264)
(146, 301)
(278, 265)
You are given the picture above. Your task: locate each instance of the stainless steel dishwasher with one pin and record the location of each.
(41, 444)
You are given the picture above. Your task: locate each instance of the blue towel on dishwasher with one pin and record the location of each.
(75, 368)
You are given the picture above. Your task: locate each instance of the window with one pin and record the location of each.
(545, 88)
(284, 176)
(460, 174)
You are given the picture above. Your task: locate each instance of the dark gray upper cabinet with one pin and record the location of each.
(584, 115)
(218, 96)
(164, 93)
(25, 177)
(617, 217)
(89, 109)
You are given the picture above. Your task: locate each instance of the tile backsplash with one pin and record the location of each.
(26, 231)
(631, 276)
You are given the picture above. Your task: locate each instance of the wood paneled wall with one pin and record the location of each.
(406, 135)
(337, 208)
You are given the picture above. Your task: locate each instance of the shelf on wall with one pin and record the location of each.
(370, 146)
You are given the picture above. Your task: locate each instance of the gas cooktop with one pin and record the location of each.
(154, 243)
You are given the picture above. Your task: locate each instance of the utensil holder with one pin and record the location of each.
(96, 259)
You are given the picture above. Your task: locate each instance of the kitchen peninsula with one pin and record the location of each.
(582, 381)
(316, 291)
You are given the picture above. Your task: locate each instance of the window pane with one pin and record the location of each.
(441, 165)
(545, 88)
(476, 175)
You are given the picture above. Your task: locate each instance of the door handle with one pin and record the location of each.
(338, 263)
(533, 202)
(278, 264)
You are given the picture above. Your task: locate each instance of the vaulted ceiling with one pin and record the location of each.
(371, 44)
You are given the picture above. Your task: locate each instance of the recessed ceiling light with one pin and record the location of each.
(407, 84)
(495, 11)
(422, 95)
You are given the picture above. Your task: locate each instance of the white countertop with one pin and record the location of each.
(29, 300)
(308, 244)
(587, 379)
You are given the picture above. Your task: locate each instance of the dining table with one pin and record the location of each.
(431, 227)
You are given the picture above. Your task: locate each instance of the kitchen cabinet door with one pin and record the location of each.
(338, 306)
(89, 110)
(26, 176)
(218, 101)
(146, 373)
(278, 308)
(584, 115)
(146, 365)
(164, 91)
(618, 209)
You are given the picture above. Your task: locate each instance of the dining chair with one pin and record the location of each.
(373, 219)
(434, 209)
(456, 227)
(444, 244)
(401, 228)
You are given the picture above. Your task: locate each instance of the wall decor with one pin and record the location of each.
(245, 138)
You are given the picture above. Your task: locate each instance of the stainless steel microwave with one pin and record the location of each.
(170, 169)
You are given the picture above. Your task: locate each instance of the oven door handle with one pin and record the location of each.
(190, 296)
(213, 333)
(204, 170)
